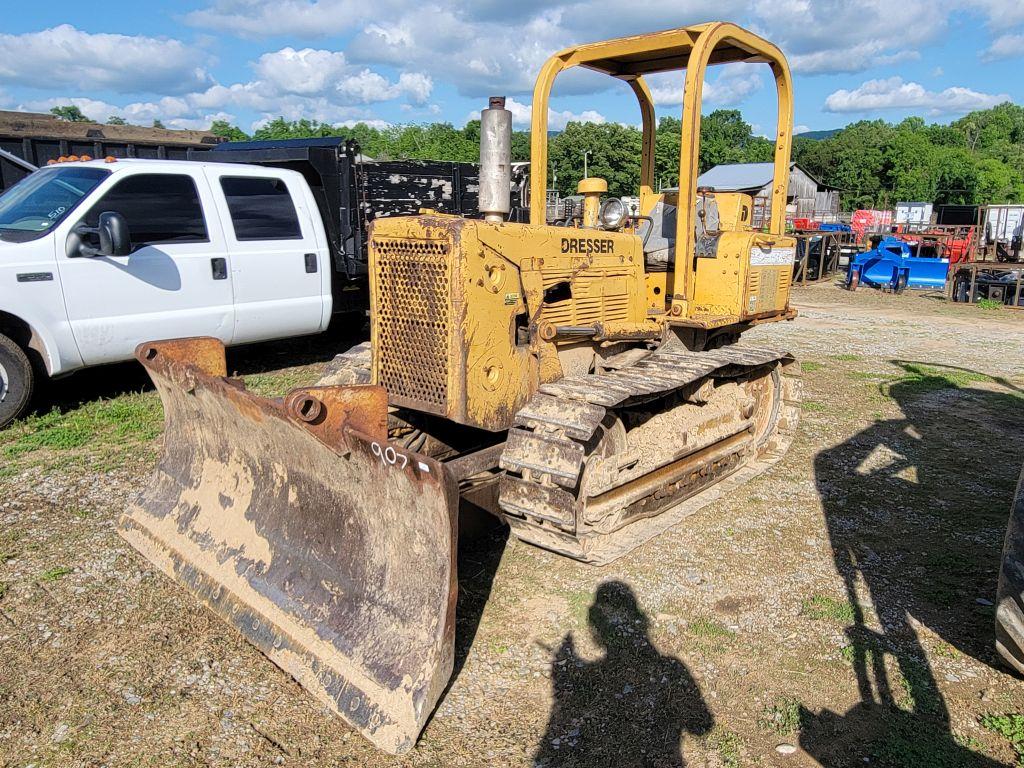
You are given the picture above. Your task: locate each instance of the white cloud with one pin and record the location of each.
(1000, 13)
(172, 112)
(731, 85)
(65, 56)
(500, 45)
(522, 114)
(314, 84)
(895, 93)
(1007, 46)
(303, 72)
(855, 58)
(798, 129)
(296, 18)
(831, 36)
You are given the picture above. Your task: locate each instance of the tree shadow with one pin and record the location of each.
(629, 707)
(915, 509)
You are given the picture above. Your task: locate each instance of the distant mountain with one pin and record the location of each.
(819, 135)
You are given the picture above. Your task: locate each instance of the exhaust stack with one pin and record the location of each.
(495, 161)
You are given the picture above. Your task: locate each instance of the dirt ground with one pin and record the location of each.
(836, 610)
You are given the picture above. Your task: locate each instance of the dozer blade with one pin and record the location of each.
(294, 519)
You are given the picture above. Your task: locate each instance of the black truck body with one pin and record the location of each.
(352, 191)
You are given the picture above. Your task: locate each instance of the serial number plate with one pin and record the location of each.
(772, 257)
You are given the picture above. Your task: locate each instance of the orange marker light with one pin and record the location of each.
(109, 159)
(86, 158)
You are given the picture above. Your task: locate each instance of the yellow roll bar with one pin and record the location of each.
(629, 58)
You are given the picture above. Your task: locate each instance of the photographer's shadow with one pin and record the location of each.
(628, 708)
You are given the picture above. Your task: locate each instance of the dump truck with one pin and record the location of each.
(583, 383)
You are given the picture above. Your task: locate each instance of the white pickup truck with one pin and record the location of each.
(97, 257)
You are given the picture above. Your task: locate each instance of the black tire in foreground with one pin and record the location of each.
(1010, 596)
(16, 381)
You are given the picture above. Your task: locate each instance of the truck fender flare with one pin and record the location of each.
(32, 338)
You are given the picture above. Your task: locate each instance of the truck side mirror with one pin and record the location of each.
(111, 231)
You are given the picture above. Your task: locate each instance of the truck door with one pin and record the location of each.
(176, 282)
(280, 263)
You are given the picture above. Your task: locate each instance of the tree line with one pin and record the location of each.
(978, 159)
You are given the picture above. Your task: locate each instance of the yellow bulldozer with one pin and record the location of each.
(583, 383)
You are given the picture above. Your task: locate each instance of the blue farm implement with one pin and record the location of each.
(892, 266)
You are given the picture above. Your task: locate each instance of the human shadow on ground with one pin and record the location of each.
(915, 508)
(628, 708)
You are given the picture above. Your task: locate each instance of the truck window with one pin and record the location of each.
(261, 209)
(40, 201)
(159, 208)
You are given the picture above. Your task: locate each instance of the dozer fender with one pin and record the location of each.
(295, 520)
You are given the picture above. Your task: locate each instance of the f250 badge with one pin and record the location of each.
(588, 245)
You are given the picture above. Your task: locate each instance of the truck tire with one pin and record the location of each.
(1010, 594)
(17, 378)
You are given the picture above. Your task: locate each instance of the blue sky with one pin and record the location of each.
(397, 61)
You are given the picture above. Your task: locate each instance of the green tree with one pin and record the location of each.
(158, 124)
(225, 130)
(615, 156)
(70, 113)
(115, 120)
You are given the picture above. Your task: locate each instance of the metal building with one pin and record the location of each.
(808, 198)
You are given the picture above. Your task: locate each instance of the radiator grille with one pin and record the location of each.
(413, 319)
(590, 303)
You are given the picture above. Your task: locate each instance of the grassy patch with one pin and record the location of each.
(52, 574)
(847, 358)
(922, 379)
(708, 629)
(824, 608)
(727, 744)
(782, 717)
(279, 383)
(4, 586)
(812, 405)
(990, 304)
(1011, 728)
(946, 651)
(808, 366)
(867, 375)
(102, 428)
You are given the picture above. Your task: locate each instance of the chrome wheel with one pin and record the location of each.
(5, 385)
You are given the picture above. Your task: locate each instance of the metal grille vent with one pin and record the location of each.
(768, 290)
(589, 304)
(413, 319)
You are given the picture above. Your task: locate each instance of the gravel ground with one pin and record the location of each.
(834, 611)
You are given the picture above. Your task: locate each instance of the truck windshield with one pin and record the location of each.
(37, 203)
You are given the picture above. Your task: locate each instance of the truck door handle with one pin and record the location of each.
(310, 263)
(219, 267)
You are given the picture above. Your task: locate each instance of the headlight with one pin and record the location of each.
(613, 213)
